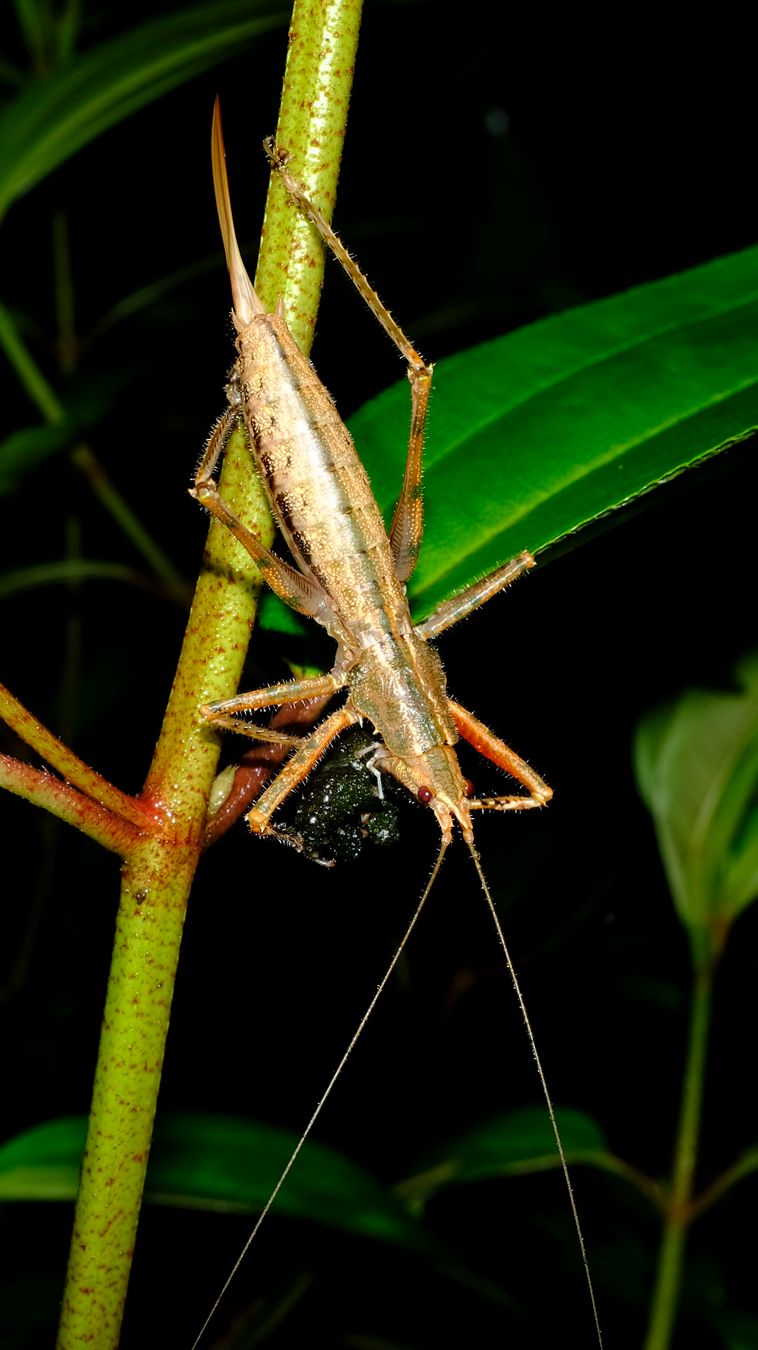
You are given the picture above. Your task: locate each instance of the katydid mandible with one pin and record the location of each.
(350, 575)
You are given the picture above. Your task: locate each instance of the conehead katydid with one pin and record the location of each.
(349, 574)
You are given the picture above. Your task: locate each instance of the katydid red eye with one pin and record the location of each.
(468, 787)
(425, 795)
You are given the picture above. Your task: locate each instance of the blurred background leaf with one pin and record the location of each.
(697, 769)
(55, 116)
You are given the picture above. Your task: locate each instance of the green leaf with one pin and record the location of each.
(43, 1162)
(697, 771)
(511, 1144)
(536, 434)
(219, 1163)
(87, 399)
(276, 617)
(224, 1163)
(64, 573)
(53, 118)
(24, 450)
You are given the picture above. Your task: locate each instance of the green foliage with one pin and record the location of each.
(226, 1164)
(512, 1144)
(218, 1163)
(534, 434)
(567, 420)
(52, 118)
(697, 769)
(572, 417)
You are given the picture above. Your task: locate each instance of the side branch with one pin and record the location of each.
(62, 800)
(70, 766)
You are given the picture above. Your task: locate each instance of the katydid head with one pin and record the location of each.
(435, 779)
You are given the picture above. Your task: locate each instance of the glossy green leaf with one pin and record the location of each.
(219, 1163)
(510, 1144)
(54, 117)
(697, 771)
(540, 432)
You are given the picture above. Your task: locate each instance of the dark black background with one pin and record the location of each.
(497, 167)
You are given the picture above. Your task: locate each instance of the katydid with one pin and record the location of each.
(350, 575)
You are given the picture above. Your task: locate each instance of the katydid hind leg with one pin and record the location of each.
(408, 519)
(493, 748)
(407, 526)
(278, 160)
(299, 592)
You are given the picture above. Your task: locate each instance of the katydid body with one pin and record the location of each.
(350, 576)
(350, 573)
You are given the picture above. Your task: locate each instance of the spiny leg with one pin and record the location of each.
(246, 780)
(459, 606)
(227, 422)
(407, 523)
(299, 592)
(222, 714)
(296, 769)
(278, 159)
(491, 747)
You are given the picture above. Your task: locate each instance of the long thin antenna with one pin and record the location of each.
(325, 1095)
(543, 1084)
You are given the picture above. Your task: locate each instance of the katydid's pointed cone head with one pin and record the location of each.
(245, 303)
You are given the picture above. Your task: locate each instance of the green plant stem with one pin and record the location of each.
(42, 395)
(678, 1209)
(311, 128)
(745, 1166)
(83, 459)
(79, 570)
(45, 399)
(159, 875)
